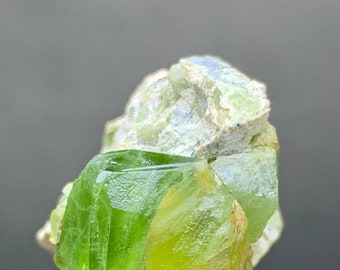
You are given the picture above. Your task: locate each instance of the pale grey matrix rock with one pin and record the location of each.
(201, 107)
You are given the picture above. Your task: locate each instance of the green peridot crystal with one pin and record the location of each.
(200, 188)
(135, 210)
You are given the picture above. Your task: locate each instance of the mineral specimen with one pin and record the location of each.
(187, 178)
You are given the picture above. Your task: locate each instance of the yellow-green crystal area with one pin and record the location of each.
(198, 225)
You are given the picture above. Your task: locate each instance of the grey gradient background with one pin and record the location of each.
(67, 66)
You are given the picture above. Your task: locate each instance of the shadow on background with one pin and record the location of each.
(68, 66)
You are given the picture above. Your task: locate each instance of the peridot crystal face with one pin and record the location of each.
(187, 178)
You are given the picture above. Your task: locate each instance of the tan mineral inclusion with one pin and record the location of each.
(202, 107)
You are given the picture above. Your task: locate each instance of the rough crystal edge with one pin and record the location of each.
(270, 236)
(42, 237)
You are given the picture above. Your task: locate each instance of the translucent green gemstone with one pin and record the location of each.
(140, 210)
